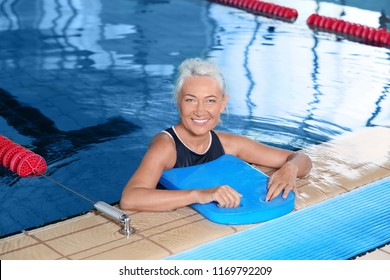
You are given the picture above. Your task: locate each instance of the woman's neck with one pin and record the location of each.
(197, 143)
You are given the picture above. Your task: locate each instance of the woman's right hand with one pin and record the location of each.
(224, 196)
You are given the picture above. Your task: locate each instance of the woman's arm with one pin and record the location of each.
(296, 165)
(140, 192)
(291, 165)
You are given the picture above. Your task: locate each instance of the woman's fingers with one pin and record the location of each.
(278, 184)
(226, 197)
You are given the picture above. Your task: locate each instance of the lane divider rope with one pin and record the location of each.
(352, 31)
(379, 37)
(262, 8)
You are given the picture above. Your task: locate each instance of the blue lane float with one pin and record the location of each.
(243, 177)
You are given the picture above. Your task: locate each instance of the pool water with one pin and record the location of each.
(86, 84)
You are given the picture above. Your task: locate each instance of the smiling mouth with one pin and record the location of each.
(200, 121)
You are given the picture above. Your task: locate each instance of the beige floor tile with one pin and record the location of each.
(87, 239)
(266, 170)
(328, 187)
(351, 178)
(375, 255)
(324, 169)
(35, 252)
(367, 145)
(189, 236)
(171, 225)
(386, 248)
(361, 146)
(144, 221)
(344, 174)
(238, 228)
(15, 242)
(69, 226)
(140, 250)
(109, 246)
(309, 195)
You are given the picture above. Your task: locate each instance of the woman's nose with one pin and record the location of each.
(200, 108)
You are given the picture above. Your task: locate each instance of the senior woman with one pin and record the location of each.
(201, 98)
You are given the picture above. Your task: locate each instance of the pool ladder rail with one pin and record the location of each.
(116, 214)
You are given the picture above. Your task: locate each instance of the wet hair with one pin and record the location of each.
(198, 67)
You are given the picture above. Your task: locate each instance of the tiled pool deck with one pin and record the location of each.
(341, 165)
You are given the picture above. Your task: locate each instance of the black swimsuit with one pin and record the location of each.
(186, 157)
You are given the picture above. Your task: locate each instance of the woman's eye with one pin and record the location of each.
(189, 100)
(211, 101)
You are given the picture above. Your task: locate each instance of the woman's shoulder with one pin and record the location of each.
(162, 150)
(229, 141)
(163, 138)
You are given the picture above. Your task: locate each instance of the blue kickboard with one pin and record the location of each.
(244, 178)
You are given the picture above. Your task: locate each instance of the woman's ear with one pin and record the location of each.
(224, 102)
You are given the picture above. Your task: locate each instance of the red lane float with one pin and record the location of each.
(262, 8)
(353, 31)
(19, 159)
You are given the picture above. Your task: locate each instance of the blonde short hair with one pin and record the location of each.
(198, 67)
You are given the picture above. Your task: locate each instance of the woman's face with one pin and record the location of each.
(200, 104)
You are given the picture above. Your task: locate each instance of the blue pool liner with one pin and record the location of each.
(340, 228)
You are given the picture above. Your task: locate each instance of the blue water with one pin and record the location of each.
(86, 84)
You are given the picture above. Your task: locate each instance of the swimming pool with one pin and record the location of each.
(86, 84)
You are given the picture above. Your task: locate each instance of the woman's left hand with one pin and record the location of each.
(284, 179)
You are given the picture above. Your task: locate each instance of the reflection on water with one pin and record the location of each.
(88, 83)
(298, 75)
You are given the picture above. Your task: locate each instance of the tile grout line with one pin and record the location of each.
(45, 244)
(25, 234)
(173, 221)
(143, 237)
(76, 231)
(161, 246)
(177, 227)
(106, 243)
